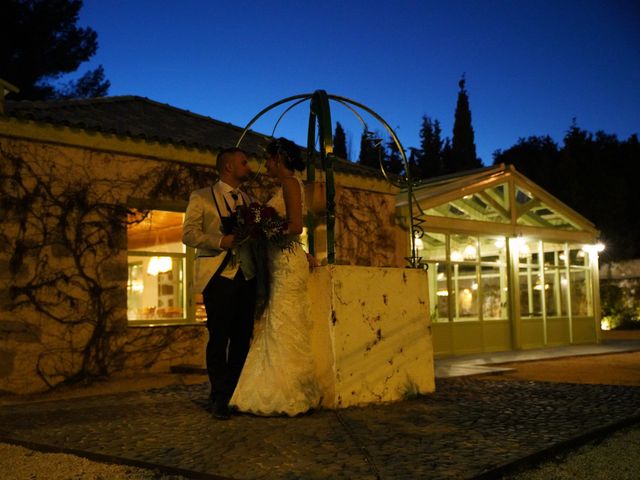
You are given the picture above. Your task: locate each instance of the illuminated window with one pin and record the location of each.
(156, 284)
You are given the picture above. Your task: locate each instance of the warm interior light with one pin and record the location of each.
(419, 244)
(520, 245)
(500, 243)
(442, 293)
(538, 285)
(159, 265)
(456, 256)
(470, 252)
(595, 248)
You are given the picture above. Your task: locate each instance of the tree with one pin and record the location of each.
(593, 174)
(430, 161)
(370, 149)
(393, 161)
(340, 142)
(535, 157)
(40, 42)
(463, 148)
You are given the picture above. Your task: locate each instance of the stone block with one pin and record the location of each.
(372, 334)
(115, 271)
(19, 331)
(7, 358)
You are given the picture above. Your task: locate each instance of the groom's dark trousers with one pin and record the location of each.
(230, 306)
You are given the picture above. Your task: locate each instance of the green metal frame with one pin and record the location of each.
(320, 117)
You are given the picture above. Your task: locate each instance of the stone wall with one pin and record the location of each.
(63, 271)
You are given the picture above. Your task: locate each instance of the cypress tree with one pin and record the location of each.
(463, 148)
(340, 142)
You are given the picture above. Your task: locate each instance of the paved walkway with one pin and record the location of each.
(467, 429)
(491, 362)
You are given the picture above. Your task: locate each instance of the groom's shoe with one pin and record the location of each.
(221, 410)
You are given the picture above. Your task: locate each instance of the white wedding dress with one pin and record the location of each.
(279, 376)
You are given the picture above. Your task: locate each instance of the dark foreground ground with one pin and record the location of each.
(472, 427)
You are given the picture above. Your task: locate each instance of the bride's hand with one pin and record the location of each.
(312, 261)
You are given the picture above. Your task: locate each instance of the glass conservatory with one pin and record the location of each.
(510, 266)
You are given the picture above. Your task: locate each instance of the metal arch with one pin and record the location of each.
(320, 114)
(287, 110)
(265, 110)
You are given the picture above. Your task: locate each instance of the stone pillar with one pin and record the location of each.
(372, 334)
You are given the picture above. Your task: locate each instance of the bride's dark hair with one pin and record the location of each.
(290, 153)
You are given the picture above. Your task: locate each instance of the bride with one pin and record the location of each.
(278, 377)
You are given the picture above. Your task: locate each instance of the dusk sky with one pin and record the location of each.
(530, 66)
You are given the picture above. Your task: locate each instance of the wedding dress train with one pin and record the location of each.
(279, 376)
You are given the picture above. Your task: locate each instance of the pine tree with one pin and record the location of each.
(430, 162)
(340, 142)
(40, 42)
(370, 149)
(463, 148)
(393, 163)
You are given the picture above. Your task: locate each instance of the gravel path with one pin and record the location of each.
(19, 463)
(616, 457)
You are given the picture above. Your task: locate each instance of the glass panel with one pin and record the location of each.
(577, 256)
(554, 254)
(490, 205)
(581, 304)
(464, 248)
(528, 253)
(158, 232)
(465, 287)
(552, 302)
(432, 246)
(156, 288)
(439, 294)
(530, 297)
(493, 281)
(533, 212)
(493, 250)
(156, 267)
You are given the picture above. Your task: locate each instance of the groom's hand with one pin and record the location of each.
(227, 242)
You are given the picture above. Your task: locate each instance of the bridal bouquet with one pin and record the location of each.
(261, 222)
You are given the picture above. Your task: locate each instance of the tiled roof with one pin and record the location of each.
(145, 119)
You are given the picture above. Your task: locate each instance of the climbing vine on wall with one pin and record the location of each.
(64, 221)
(365, 235)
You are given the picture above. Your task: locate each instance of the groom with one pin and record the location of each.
(224, 273)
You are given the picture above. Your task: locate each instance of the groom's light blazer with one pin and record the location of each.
(202, 230)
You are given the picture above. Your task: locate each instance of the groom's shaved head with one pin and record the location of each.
(233, 166)
(225, 156)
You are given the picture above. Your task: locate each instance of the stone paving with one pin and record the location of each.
(467, 428)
